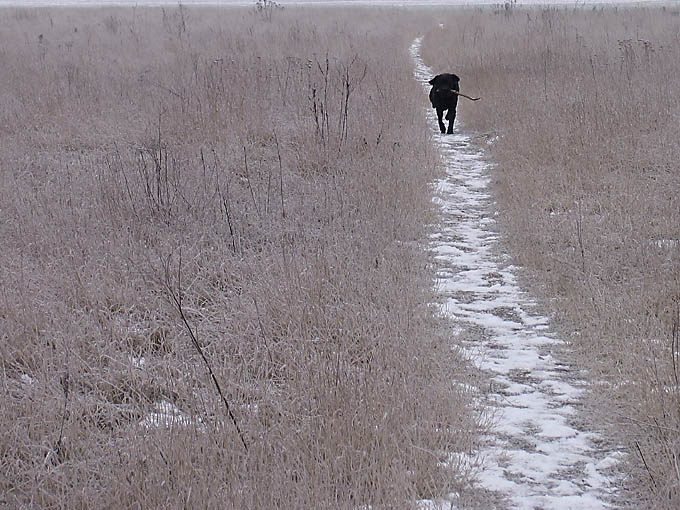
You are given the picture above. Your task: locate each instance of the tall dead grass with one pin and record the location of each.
(581, 109)
(250, 185)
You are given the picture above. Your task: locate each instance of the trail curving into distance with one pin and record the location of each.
(537, 456)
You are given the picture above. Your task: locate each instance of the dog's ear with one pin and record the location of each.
(434, 80)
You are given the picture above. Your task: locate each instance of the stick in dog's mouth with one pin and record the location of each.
(458, 93)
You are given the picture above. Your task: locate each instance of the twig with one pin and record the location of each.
(252, 194)
(647, 423)
(177, 299)
(579, 233)
(57, 451)
(278, 153)
(675, 343)
(225, 203)
(127, 184)
(637, 445)
(264, 336)
(65, 383)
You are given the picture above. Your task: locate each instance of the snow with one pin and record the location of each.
(536, 455)
(667, 244)
(138, 363)
(26, 379)
(166, 414)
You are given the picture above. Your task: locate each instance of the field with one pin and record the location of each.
(216, 288)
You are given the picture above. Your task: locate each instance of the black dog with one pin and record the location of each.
(444, 96)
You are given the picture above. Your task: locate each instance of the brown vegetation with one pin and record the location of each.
(581, 112)
(229, 192)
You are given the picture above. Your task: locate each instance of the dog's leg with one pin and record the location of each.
(440, 114)
(451, 117)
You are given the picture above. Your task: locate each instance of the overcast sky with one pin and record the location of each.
(343, 2)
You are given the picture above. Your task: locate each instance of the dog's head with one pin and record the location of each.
(445, 81)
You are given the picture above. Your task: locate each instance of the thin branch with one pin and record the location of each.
(278, 153)
(252, 194)
(637, 445)
(177, 299)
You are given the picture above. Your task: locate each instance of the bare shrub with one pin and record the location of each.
(581, 113)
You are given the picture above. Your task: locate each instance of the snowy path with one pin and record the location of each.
(537, 456)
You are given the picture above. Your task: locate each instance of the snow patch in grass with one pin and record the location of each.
(26, 379)
(137, 362)
(166, 414)
(665, 244)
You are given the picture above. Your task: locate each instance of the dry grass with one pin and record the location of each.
(264, 170)
(586, 107)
